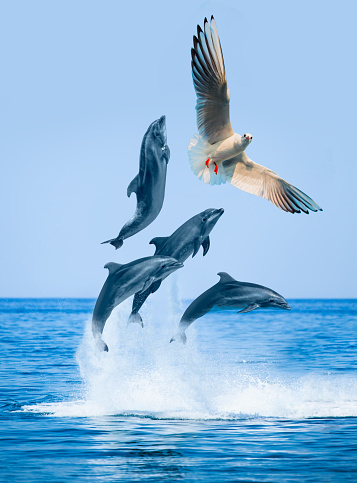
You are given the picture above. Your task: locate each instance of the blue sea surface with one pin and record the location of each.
(267, 396)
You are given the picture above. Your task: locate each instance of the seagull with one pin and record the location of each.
(217, 154)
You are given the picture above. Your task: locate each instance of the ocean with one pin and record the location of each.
(267, 396)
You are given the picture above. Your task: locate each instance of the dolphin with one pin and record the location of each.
(228, 293)
(123, 281)
(185, 241)
(149, 183)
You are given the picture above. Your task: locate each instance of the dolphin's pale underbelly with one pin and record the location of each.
(181, 253)
(147, 209)
(230, 308)
(150, 200)
(237, 307)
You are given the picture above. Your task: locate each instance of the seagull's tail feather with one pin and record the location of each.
(199, 151)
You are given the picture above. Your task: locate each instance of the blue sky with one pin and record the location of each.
(81, 81)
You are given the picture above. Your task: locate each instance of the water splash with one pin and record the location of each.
(146, 376)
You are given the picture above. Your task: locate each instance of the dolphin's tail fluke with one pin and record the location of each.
(101, 345)
(116, 242)
(180, 337)
(135, 318)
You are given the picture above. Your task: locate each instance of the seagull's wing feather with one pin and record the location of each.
(209, 80)
(248, 176)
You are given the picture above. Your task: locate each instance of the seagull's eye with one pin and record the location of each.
(244, 136)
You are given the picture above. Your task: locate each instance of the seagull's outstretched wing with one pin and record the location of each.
(209, 79)
(248, 176)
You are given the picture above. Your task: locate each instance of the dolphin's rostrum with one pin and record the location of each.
(149, 184)
(185, 241)
(125, 280)
(228, 293)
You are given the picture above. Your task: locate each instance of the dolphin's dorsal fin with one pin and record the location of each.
(112, 267)
(133, 186)
(205, 245)
(225, 277)
(159, 241)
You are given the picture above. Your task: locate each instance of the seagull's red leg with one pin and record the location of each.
(216, 168)
(207, 162)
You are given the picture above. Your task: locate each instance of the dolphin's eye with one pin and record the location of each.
(163, 266)
(204, 219)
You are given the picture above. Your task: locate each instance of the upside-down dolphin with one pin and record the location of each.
(149, 183)
(217, 154)
(230, 294)
(123, 281)
(186, 240)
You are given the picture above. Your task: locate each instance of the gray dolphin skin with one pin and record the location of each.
(228, 293)
(123, 281)
(185, 241)
(149, 184)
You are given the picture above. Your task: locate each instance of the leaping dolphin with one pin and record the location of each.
(149, 183)
(230, 294)
(123, 281)
(186, 240)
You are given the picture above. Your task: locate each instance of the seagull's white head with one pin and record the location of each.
(247, 138)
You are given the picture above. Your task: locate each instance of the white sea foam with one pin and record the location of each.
(144, 375)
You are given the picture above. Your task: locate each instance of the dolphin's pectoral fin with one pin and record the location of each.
(225, 277)
(147, 284)
(133, 186)
(112, 267)
(205, 245)
(248, 308)
(159, 241)
(196, 246)
(155, 286)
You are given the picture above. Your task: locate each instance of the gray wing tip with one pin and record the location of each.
(317, 207)
(195, 43)
(297, 200)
